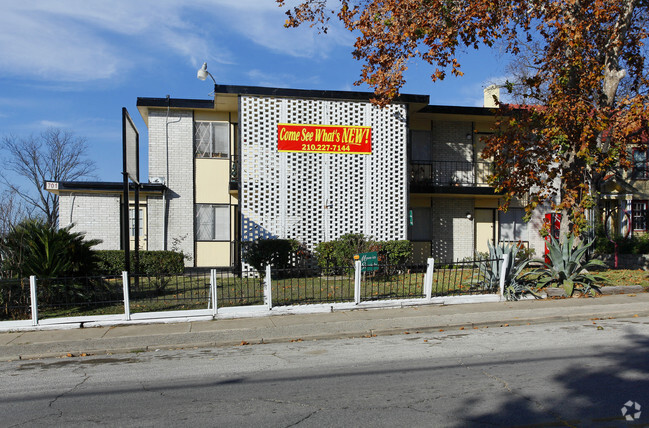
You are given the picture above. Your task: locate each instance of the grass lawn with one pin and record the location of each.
(626, 277)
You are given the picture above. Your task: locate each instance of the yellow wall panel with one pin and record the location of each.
(212, 181)
(212, 254)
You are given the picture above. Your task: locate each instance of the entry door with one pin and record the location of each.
(484, 228)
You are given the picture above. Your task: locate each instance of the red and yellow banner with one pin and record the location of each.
(324, 138)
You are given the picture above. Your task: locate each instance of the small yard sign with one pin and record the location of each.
(369, 261)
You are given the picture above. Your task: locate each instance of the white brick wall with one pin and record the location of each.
(97, 216)
(180, 178)
(453, 233)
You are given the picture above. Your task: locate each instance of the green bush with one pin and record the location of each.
(395, 252)
(340, 252)
(636, 244)
(111, 262)
(279, 253)
(36, 248)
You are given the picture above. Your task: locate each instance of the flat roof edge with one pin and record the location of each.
(313, 93)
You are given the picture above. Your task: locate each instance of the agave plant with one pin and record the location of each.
(516, 283)
(565, 267)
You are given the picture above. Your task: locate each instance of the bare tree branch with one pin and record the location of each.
(54, 155)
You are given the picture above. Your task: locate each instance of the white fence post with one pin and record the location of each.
(213, 296)
(268, 289)
(357, 281)
(127, 300)
(503, 273)
(428, 279)
(34, 299)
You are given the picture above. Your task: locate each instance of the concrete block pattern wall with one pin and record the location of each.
(97, 216)
(318, 197)
(179, 177)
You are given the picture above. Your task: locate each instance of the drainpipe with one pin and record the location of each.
(166, 183)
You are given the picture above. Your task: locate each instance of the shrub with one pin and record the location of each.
(395, 252)
(567, 268)
(279, 253)
(111, 262)
(340, 252)
(636, 244)
(516, 282)
(35, 248)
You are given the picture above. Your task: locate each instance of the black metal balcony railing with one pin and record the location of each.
(450, 173)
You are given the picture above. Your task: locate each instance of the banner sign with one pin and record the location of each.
(324, 138)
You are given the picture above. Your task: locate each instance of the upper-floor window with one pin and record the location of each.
(639, 216)
(421, 148)
(212, 139)
(640, 165)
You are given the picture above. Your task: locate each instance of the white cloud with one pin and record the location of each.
(83, 41)
(52, 124)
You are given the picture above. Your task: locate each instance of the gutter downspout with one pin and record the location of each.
(166, 183)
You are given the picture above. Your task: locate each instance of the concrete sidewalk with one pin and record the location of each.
(318, 326)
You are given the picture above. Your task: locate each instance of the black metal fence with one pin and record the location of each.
(105, 295)
(313, 285)
(239, 288)
(97, 295)
(15, 302)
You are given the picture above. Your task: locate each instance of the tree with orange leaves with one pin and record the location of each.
(584, 90)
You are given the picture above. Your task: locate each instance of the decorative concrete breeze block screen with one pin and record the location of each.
(315, 197)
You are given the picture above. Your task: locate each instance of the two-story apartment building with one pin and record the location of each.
(260, 162)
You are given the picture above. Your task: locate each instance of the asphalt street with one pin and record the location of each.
(579, 373)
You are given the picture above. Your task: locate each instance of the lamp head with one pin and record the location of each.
(202, 72)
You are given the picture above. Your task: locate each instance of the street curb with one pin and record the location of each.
(252, 338)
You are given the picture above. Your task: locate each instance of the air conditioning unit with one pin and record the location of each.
(157, 180)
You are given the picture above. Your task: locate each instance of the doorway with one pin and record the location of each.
(485, 230)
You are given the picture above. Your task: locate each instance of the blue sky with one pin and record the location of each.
(73, 64)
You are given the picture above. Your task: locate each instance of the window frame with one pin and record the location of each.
(200, 237)
(641, 173)
(201, 149)
(634, 209)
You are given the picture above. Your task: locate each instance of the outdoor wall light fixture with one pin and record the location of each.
(469, 216)
(203, 73)
(468, 136)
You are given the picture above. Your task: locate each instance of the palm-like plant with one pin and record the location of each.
(565, 267)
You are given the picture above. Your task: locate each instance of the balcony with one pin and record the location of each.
(450, 177)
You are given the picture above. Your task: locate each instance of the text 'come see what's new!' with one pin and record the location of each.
(324, 138)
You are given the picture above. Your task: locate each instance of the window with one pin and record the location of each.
(639, 216)
(640, 165)
(212, 222)
(512, 226)
(212, 139)
(421, 146)
(131, 222)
